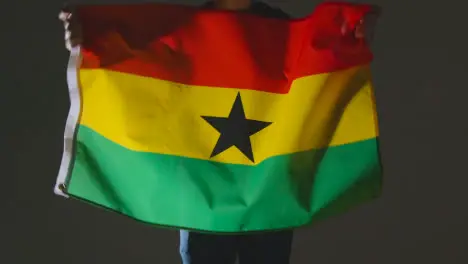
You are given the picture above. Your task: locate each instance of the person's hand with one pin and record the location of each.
(366, 26)
(73, 33)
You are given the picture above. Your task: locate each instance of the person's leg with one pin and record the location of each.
(198, 248)
(266, 248)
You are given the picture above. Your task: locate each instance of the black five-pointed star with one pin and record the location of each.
(235, 130)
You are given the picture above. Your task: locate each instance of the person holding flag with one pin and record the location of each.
(206, 248)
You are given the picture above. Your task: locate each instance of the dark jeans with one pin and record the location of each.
(264, 248)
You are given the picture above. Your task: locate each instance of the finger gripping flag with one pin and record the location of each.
(220, 121)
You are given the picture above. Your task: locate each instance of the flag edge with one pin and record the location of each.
(72, 121)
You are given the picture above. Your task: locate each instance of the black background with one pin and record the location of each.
(420, 78)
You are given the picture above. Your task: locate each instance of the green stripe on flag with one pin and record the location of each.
(187, 193)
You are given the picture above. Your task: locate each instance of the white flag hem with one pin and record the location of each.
(72, 120)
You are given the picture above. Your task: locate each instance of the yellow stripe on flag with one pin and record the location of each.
(151, 115)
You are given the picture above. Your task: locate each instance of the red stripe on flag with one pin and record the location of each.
(220, 48)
